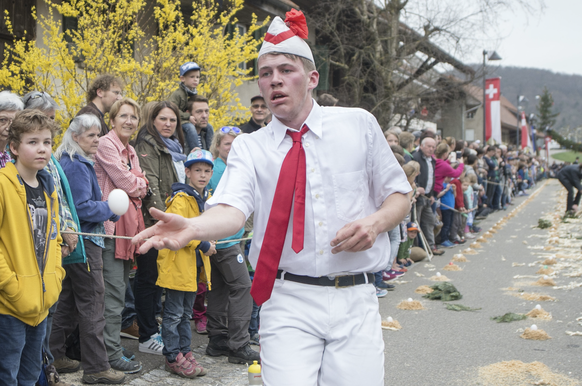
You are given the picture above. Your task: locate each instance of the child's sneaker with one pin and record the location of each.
(447, 244)
(201, 325)
(469, 235)
(182, 367)
(190, 358)
(381, 292)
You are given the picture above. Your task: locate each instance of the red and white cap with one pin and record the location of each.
(287, 36)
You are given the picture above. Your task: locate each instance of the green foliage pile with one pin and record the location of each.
(444, 291)
(544, 224)
(509, 317)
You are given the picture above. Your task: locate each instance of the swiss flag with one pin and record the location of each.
(493, 106)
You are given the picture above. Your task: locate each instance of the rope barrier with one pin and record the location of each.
(130, 238)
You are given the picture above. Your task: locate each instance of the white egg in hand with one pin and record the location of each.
(118, 202)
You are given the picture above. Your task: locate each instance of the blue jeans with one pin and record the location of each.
(255, 320)
(128, 315)
(49, 326)
(21, 351)
(447, 224)
(176, 331)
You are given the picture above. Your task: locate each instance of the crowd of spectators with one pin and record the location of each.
(110, 291)
(456, 184)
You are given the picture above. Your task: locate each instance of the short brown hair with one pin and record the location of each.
(104, 83)
(29, 121)
(406, 139)
(196, 98)
(117, 105)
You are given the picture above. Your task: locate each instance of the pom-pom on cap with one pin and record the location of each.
(287, 36)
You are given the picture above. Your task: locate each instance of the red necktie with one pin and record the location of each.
(291, 183)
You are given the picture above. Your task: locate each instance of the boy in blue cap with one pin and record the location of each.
(189, 81)
(178, 272)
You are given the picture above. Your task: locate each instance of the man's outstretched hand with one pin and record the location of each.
(171, 232)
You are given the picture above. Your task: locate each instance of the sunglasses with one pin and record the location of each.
(229, 129)
(34, 95)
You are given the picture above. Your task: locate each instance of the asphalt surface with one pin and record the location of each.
(440, 347)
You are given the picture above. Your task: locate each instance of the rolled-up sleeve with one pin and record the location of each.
(237, 185)
(386, 174)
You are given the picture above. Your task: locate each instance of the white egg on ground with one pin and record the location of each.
(438, 274)
(118, 202)
(389, 319)
(538, 307)
(409, 299)
(533, 327)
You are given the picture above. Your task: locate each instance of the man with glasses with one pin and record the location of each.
(259, 111)
(103, 92)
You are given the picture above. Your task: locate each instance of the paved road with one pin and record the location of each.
(440, 347)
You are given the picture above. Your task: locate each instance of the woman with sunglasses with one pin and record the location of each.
(229, 303)
(160, 148)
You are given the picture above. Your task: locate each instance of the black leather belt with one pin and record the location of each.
(337, 282)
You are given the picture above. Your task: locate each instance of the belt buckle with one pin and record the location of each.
(336, 279)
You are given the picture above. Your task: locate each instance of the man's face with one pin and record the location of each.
(286, 88)
(427, 147)
(109, 97)
(259, 110)
(200, 112)
(6, 118)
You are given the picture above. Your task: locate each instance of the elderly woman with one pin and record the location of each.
(82, 298)
(160, 146)
(117, 167)
(10, 104)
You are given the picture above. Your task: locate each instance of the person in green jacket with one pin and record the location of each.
(186, 92)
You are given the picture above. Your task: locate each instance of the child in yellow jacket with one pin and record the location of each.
(30, 247)
(178, 271)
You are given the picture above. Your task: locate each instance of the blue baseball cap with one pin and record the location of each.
(189, 66)
(199, 156)
(411, 226)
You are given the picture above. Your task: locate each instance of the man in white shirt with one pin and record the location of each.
(319, 320)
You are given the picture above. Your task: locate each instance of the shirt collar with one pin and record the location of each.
(313, 121)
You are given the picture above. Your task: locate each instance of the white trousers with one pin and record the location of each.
(315, 335)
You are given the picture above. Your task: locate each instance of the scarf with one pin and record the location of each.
(175, 149)
(189, 92)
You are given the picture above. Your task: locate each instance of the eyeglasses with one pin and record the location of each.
(259, 106)
(34, 95)
(228, 129)
(5, 121)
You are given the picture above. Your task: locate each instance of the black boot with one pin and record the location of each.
(244, 354)
(217, 346)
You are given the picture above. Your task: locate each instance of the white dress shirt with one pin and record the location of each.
(350, 172)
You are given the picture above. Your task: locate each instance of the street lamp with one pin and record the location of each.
(493, 56)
